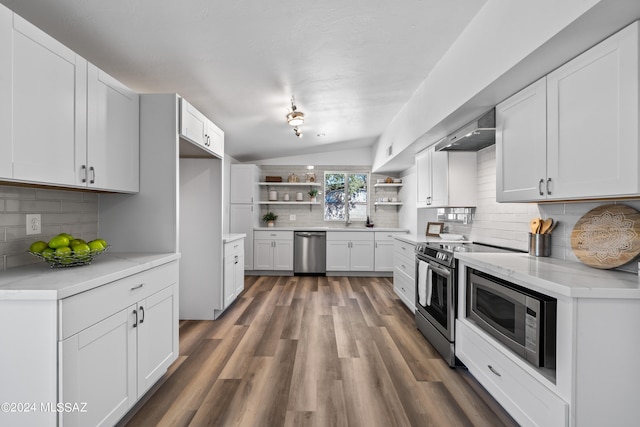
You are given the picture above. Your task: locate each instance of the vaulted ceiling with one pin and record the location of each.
(351, 65)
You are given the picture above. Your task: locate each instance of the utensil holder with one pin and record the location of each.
(539, 244)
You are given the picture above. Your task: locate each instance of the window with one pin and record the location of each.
(336, 198)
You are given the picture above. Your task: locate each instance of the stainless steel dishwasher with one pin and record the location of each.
(310, 252)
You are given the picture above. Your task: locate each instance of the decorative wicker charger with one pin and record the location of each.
(607, 236)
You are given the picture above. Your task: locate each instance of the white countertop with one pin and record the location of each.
(555, 277)
(40, 282)
(416, 239)
(232, 237)
(355, 228)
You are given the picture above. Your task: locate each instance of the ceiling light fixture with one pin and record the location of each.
(295, 118)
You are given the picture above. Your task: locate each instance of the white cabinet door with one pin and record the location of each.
(6, 103)
(423, 174)
(338, 252)
(384, 255)
(283, 255)
(156, 338)
(521, 153)
(98, 367)
(592, 140)
(243, 219)
(49, 107)
(229, 285)
(193, 124)
(244, 183)
(361, 255)
(238, 276)
(440, 178)
(113, 146)
(214, 139)
(262, 254)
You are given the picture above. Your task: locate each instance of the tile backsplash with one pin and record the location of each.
(507, 224)
(74, 212)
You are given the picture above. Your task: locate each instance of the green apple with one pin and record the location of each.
(38, 247)
(74, 242)
(81, 249)
(58, 242)
(96, 246)
(63, 252)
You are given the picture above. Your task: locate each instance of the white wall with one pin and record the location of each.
(352, 157)
(507, 45)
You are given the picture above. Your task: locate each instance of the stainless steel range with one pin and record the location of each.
(436, 292)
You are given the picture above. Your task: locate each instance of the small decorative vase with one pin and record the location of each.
(299, 197)
(271, 223)
(286, 197)
(314, 198)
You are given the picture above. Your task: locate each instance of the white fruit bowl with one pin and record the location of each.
(72, 260)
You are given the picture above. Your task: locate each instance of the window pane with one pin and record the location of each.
(334, 196)
(358, 196)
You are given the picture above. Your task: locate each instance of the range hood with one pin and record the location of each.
(474, 136)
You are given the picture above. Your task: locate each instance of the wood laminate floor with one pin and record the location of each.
(313, 351)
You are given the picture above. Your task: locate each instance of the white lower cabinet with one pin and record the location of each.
(233, 271)
(523, 396)
(109, 362)
(384, 250)
(273, 250)
(404, 282)
(350, 251)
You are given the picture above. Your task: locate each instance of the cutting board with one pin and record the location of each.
(607, 236)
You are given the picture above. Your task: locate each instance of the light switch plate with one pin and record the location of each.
(34, 224)
(292, 217)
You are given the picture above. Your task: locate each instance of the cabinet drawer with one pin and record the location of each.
(522, 395)
(404, 248)
(381, 236)
(273, 235)
(405, 287)
(405, 265)
(87, 308)
(234, 248)
(362, 236)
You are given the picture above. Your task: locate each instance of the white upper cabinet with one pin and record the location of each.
(197, 128)
(446, 178)
(244, 183)
(63, 121)
(113, 146)
(44, 97)
(591, 147)
(521, 148)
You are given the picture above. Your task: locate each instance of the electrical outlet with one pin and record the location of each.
(292, 217)
(34, 226)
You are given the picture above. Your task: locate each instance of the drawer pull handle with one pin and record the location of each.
(141, 315)
(135, 323)
(494, 371)
(137, 287)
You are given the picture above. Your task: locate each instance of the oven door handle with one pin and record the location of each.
(441, 271)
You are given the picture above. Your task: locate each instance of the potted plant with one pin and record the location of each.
(313, 193)
(270, 219)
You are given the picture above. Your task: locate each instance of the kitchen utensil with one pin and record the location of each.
(553, 227)
(546, 225)
(607, 236)
(535, 225)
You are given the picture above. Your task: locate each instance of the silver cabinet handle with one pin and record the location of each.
(135, 323)
(540, 187)
(93, 175)
(494, 371)
(137, 287)
(84, 173)
(548, 182)
(141, 315)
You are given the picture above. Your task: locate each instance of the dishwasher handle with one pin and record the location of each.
(310, 234)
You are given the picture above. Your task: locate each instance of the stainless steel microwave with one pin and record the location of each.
(523, 320)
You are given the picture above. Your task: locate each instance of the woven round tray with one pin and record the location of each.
(607, 236)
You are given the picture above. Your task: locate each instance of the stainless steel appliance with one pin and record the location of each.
(474, 136)
(523, 320)
(436, 289)
(310, 252)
